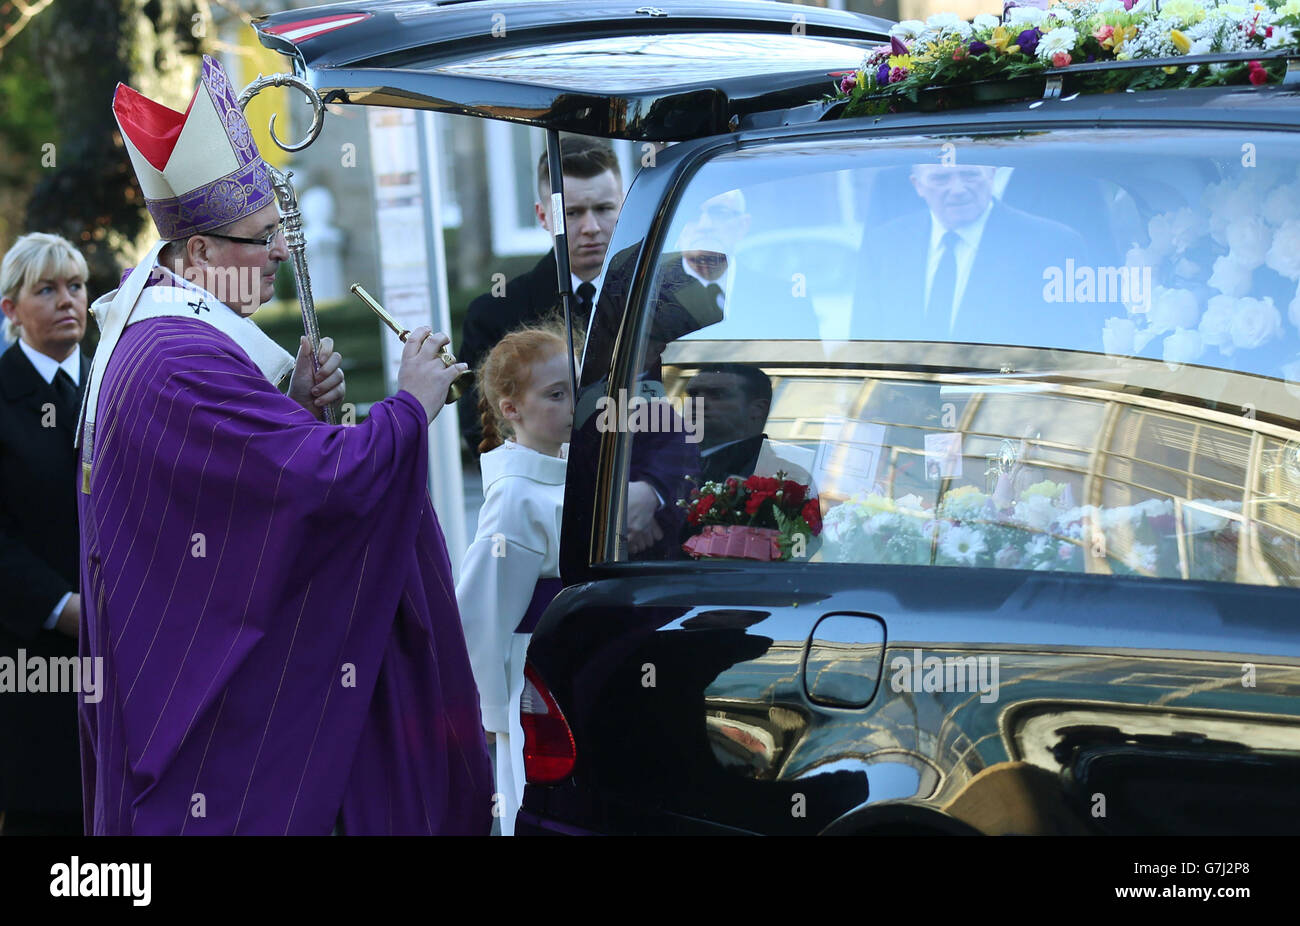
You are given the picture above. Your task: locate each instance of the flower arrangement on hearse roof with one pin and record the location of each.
(945, 52)
(762, 517)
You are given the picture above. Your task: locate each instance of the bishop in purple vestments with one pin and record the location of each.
(270, 595)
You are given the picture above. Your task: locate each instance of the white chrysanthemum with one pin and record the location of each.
(1231, 277)
(1024, 17)
(1141, 257)
(1176, 231)
(1142, 558)
(1183, 346)
(1249, 240)
(1036, 512)
(948, 24)
(962, 544)
(1254, 322)
(986, 21)
(1282, 35)
(1118, 338)
(1216, 323)
(907, 29)
(1056, 41)
(1036, 547)
(1284, 255)
(1155, 507)
(1173, 308)
(1282, 204)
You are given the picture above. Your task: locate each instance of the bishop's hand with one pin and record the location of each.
(326, 386)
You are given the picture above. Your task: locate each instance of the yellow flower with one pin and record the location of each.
(1046, 488)
(1000, 39)
(1181, 42)
(1187, 12)
(900, 61)
(1170, 70)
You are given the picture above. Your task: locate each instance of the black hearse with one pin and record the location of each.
(1046, 585)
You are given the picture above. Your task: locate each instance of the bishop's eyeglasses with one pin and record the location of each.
(268, 242)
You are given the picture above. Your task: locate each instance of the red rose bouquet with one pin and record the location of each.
(762, 517)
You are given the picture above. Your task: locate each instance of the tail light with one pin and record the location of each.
(303, 29)
(549, 750)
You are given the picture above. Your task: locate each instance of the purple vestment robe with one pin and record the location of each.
(274, 605)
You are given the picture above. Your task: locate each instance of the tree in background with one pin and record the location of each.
(86, 190)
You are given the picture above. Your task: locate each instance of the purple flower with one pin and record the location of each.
(1129, 4)
(978, 48)
(848, 82)
(896, 45)
(1091, 58)
(882, 74)
(1028, 41)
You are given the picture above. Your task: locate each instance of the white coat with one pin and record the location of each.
(516, 545)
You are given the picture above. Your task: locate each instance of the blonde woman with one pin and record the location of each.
(43, 295)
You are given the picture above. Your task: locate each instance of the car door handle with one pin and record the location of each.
(843, 658)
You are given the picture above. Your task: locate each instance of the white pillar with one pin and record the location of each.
(404, 158)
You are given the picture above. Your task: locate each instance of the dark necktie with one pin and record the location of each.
(714, 292)
(586, 291)
(944, 285)
(66, 390)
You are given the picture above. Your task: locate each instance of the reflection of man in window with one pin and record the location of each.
(736, 399)
(968, 268)
(701, 285)
(708, 245)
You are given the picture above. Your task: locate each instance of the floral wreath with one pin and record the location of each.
(947, 51)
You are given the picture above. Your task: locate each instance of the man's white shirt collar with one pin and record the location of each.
(969, 236)
(48, 367)
(576, 281)
(724, 282)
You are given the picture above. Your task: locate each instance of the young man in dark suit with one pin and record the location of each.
(43, 290)
(593, 195)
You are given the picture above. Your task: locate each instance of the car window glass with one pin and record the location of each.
(1065, 351)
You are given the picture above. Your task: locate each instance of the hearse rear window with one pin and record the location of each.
(1061, 351)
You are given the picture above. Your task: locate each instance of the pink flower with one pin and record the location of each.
(1129, 4)
(897, 74)
(1257, 73)
(848, 82)
(1102, 33)
(959, 54)
(1061, 59)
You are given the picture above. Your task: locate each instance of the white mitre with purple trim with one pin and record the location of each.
(200, 169)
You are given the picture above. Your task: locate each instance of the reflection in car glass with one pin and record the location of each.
(1077, 352)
